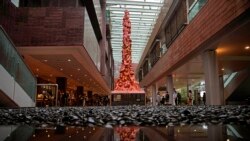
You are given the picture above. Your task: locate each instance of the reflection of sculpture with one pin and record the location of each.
(126, 80)
(127, 133)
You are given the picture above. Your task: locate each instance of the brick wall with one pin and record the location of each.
(211, 19)
(43, 26)
(8, 14)
(49, 26)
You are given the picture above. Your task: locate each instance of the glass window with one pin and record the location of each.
(195, 7)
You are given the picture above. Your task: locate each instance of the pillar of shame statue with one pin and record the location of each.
(126, 80)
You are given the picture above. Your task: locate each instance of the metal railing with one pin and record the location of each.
(228, 78)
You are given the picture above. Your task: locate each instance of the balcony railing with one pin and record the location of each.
(13, 63)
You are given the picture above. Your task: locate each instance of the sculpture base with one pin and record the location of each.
(119, 98)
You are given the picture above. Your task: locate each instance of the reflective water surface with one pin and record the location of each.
(134, 133)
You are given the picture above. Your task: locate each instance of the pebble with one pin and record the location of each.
(126, 115)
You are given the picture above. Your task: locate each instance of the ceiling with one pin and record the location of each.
(51, 62)
(143, 15)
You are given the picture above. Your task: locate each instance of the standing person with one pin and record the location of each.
(179, 98)
(167, 98)
(158, 99)
(174, 97)
(190, 98)
(204, 98)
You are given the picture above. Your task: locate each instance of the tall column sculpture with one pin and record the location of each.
(126, 80)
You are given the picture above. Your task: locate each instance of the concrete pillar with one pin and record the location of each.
(154, 94)
(213, 96)
(170, 87)
(102, 42)
(221, 81)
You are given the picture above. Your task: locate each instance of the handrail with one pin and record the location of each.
(13, 62)
(229, 78)
(2, 29)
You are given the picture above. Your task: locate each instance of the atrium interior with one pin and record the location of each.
(105, 68)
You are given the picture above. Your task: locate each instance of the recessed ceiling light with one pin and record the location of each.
(69, 60)
(50, 75)
(85, 75)
(78, 69)
(222, 69)
(45, 60)
(61, 69)
(37, 69)
(247, 47)
(71, 75)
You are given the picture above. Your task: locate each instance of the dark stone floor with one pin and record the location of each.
(126, 115)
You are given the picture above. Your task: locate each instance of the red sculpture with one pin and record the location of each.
(126, 80)
(127, 133)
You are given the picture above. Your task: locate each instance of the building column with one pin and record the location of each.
(102, 42)
(79, 95)
(154, 94)
(213, 96)
(90, 98)
(170, 88)
(221, 81)
(62, 84)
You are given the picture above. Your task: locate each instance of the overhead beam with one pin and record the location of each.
(132, 43)
(120, 41)
(93, 18)
(133, 10)
(134, 30)
(134, 3)
(133, 33)
(234, 58)
(132, 37)
(118, 27)
(133, 16)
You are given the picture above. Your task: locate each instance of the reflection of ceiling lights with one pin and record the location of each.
(204, 126)
(247, 47)
(69, 60)
(61, 69)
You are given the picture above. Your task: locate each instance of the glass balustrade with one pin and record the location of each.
(13, 63)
